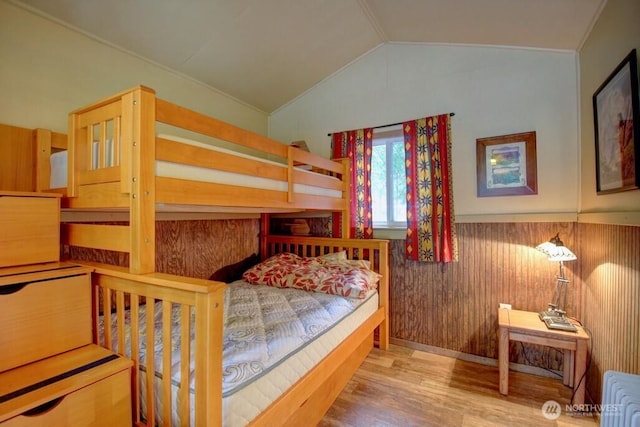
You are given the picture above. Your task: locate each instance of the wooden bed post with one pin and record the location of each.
(346, 215)
(265, 231)
(208, 359)
(42, 143)
(72, 166)
(138, 133)
(383, 289)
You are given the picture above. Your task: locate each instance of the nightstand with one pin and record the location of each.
(526, 327)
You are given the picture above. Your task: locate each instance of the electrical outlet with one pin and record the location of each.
(507, 306)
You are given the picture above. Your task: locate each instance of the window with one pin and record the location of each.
(388, 181)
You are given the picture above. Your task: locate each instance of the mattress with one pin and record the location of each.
(272, 337)
(58, 179)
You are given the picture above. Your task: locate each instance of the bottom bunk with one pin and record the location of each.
(215, 328)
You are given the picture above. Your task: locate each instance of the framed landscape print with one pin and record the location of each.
(617, 129)
(506, 165)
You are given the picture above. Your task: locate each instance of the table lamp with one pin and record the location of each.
(555, 314)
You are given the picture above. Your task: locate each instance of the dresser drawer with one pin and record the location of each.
(29, 228)
(105, 403)
(89, 386)
(43, 313)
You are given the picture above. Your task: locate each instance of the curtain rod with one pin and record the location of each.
(392, 124)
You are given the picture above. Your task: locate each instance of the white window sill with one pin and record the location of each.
(395, 233)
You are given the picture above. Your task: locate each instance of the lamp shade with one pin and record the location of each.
(556, 250)
(562, 254)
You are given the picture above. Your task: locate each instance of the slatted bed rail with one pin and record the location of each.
(126, 296)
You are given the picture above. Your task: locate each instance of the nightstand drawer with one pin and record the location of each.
(43, 313)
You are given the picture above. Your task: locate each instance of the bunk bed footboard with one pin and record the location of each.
(137, 303)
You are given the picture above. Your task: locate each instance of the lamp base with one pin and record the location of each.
(551, 313)
(555, 319)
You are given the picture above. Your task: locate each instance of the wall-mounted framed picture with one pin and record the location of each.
(617, 129)
(506, 165)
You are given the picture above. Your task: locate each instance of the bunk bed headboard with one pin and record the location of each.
(376, 251)
(120, 176)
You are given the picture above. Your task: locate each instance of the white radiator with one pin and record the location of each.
(620, 400)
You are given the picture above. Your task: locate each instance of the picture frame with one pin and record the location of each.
(617, 129)
(506, 165)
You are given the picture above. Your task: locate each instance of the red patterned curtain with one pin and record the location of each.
(357, 146)
(430, 219)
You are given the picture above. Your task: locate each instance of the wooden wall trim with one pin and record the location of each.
(613, 218)
(519, 217)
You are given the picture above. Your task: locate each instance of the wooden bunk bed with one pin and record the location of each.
(112, 153)
(113, 156)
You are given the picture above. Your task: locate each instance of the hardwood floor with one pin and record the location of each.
(406, 387)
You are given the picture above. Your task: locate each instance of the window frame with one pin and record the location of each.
(388, 138)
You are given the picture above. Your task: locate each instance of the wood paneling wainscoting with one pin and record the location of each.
(610, 271)
(455, 306)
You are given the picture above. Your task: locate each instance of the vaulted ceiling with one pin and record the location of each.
(268, 52)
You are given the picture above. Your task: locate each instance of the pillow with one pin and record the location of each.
(232, 272)
(363, 263)
(333, 257)
(309, 274)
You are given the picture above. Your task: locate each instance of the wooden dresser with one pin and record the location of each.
(50, 372)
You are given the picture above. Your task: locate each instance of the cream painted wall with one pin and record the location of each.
(614, 35)
(493, 91)
(48, 70)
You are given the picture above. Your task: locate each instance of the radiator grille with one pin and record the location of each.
(620, 400)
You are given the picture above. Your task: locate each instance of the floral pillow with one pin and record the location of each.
(312, 274)
(333, 257)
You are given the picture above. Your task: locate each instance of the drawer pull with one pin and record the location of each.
(16, 287)
(12, 289)
(44, 408)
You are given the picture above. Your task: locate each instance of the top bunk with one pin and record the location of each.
(120, 149)
(119, 159)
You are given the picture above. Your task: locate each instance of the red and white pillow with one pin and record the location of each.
(331, 274)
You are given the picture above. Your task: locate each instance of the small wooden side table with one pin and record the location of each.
(525, 326)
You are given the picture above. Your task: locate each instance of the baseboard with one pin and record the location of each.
(518, 367)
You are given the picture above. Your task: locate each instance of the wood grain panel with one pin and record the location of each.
(188, 248)
(610, 263)
(17, 159)
(198, 248)
(454, 306)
